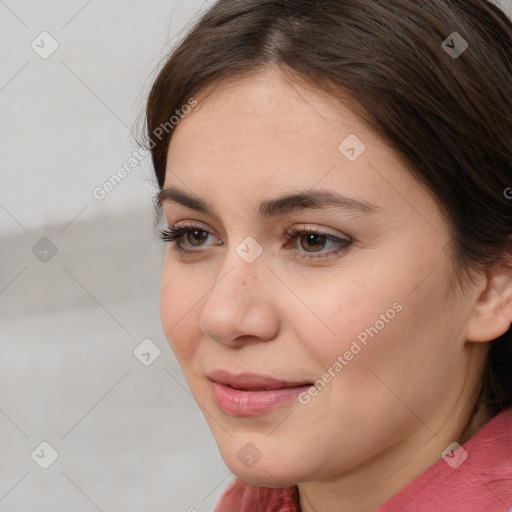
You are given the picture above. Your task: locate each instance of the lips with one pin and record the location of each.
(250, 394)
(253, 381)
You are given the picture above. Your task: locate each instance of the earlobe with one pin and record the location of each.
(492, 312)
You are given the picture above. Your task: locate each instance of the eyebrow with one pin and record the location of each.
(297, 201)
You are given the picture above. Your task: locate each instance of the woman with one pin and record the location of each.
(336, 180)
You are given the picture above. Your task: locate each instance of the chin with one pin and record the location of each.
(279, 471)
(264, 478)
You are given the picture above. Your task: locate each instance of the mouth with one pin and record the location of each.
(250, 394)
(253, 381)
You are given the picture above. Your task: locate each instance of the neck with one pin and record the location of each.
(368, 486)
(479, 417)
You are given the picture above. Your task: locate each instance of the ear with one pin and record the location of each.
(492, 312)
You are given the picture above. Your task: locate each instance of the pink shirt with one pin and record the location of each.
(481, 483)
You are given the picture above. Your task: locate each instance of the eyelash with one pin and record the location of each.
(176, 234)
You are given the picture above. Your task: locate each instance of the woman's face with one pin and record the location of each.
(366, 314)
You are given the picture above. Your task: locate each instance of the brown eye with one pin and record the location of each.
(309, 242)
(183, 237)
(196, 236)
(313, 241)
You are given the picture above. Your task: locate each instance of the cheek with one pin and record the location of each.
(390, 326)
(394, 339)
(345, 317)
(179, 310)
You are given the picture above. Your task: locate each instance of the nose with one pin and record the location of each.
(240, 307)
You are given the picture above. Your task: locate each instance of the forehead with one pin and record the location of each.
(269, 109)
(259, 135)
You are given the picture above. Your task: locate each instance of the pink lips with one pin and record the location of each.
(249, 394)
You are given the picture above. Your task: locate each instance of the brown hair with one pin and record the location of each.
(448, 116)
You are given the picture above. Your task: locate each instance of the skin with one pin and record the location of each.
(407, 395)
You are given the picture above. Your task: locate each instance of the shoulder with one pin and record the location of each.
(243, 497)
(473, 477)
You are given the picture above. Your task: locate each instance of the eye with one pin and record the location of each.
(193, 234)
(312, 242)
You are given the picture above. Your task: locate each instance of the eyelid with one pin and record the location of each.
(297, 228)
(195, 225)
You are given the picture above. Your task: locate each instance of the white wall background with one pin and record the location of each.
(129, 437)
